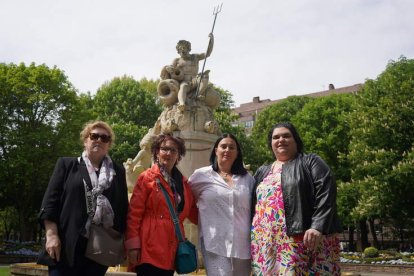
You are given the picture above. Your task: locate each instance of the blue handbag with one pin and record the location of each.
(186, 256)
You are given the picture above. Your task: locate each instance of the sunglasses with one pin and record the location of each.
(104, 138)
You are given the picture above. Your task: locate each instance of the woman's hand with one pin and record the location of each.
(312, 238)
(134, 256)
(53, 245)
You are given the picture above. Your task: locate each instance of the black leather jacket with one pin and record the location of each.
(309, 195)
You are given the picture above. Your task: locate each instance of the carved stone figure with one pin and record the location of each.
(142, 161)
(189, 101)
(184, 69)
(181, 78)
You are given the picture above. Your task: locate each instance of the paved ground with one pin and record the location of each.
(355, 274)
(374, 273)
(382, 274)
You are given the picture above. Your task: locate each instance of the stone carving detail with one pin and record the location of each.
(189, 101)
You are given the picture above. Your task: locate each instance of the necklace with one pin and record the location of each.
(224, 174)
(227, 177)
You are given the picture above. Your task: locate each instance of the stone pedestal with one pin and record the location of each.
(198, 145)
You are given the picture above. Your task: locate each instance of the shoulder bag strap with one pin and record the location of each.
(172, 212)
(90, 203)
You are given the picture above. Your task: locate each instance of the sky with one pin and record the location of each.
(267, 48)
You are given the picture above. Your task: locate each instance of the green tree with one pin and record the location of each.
(130, 107)
(402, 174)
(382, 130)
(324, 130)
(126, 100)
(347, 198)
(39, 121)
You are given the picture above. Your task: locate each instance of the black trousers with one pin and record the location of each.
(150, 270)
(82, 267)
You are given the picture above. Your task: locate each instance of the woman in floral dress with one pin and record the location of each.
(295, 223)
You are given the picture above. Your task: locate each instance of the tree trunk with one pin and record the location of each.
(351, 243)
(25, 227)
(363, 242)
(373, 233)
(401, 232)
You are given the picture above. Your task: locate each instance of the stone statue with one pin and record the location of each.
(142, 161)
(189, 101)
(184, 70)
(182, 77)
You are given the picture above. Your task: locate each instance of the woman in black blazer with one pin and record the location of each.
(64, 213)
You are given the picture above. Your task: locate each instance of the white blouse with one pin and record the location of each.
(224, 212)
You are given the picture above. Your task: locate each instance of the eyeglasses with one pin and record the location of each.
(167, 149)
(104, 138)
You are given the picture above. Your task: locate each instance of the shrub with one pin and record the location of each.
(371, 252)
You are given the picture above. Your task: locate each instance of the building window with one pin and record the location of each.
(248, 124)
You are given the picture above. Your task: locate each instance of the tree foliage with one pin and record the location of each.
(382, 135)
(324, 130)
(130, 107)
(125, 100)
(39, 121)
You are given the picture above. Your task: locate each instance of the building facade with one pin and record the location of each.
(248, 112)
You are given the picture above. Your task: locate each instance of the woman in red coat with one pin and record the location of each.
(151, 240)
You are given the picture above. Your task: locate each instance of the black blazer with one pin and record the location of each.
(64, 203)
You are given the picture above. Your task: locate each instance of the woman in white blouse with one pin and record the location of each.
(223, 193)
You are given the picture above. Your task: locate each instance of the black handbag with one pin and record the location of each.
(186, 256)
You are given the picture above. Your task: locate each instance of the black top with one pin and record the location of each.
(64, 203)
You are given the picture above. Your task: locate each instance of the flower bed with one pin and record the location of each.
(384, 258)
(15, 248)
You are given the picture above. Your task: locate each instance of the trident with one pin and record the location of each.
(215, 12)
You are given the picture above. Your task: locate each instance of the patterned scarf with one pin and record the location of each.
(103, 213)
(170, 180)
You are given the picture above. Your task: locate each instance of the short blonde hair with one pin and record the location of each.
(89, 126)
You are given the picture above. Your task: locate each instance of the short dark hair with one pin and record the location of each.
(183, 43)
(156, 145)
(292, 130)
(237, 167)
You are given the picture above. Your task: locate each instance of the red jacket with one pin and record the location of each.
(149, 223)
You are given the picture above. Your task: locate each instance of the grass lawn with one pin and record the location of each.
(4, 271)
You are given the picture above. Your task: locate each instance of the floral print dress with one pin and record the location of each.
(273, 252)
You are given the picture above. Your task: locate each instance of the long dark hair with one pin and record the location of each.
(292, 130)
(237, 167)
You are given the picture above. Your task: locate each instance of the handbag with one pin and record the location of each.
(105, 245)
(186, 256)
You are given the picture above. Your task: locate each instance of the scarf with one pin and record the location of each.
(103, 212)
(173, 185)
